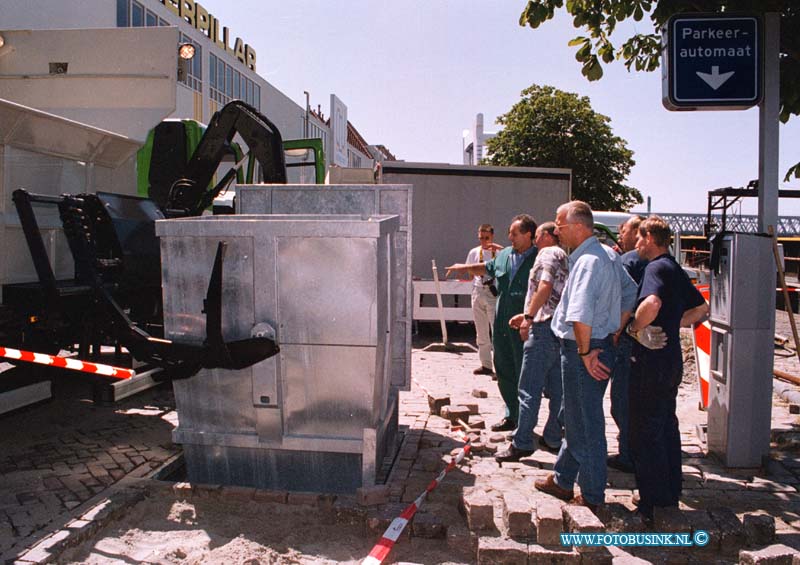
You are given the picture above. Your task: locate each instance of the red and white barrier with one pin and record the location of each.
(387, 541)
(701, 337)
(65, 363)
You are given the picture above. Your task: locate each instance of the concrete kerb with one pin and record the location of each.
(75, 526)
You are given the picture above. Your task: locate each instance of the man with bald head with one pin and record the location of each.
(597, 300)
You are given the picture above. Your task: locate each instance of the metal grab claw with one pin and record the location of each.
(184, 360)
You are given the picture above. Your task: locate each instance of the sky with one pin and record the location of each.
(413, 75)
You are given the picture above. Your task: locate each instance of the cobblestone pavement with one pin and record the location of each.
(714, 497)
(62, 458)
(58, 456)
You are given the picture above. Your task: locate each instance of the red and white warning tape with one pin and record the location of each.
(64, 363)
(384, 546)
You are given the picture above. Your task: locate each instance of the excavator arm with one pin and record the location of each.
(186, 192)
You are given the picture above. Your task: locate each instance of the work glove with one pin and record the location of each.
(651, 337)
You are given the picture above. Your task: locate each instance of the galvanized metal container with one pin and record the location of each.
(365, 200)
(318, 416)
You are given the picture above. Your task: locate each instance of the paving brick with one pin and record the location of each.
(206, 490)
(52, 483)
(379, 518)
(479, 510)
(701, 520)
(548, 522)
(319, 500)
(580, 519)
(429, 460)
(460, 539)
(759, 529)
(237, 493)
(618, 518)
(479, 393)
(473, 407)
(346, 510)
(771, 555)
(517, 514)
(455, 413)
(501, 551)
(437, 402)
(371, 496)
(731, 531)
(428, 525)
(546, 555)
(668, 519)
(477, 423)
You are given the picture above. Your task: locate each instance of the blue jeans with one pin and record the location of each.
(541, 369)
(620, 384)
(583, 452)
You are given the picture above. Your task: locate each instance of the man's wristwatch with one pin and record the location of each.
(631, 332)
(528, 317)
(588, 351)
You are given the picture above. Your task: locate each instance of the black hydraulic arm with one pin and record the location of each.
(23, 201)
(189, 195)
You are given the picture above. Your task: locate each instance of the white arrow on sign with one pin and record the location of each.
(715, 79)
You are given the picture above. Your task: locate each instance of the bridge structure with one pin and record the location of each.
(694, 224)
(719, 218)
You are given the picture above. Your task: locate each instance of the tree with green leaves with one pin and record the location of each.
(642, 51)
(552, 128)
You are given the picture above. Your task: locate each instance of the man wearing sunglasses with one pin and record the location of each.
(484, 297)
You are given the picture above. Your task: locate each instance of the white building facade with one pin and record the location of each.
(473, 142)
(224, 68)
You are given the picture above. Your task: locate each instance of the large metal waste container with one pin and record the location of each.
(318, 416)
(365, 200)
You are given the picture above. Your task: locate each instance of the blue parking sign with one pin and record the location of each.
(711, 62)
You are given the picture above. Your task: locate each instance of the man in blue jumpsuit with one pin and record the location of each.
(510, 268)
(667, 299)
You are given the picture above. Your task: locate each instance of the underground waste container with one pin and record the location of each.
(319, 415)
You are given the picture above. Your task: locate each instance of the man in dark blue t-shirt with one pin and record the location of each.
(667, 299)
(620, 376)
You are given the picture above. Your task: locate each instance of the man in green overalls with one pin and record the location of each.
(511, 268)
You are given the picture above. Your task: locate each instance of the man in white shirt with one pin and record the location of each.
(483, 299)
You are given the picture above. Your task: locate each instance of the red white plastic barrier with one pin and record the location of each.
(701, 336)
(384, 546)
(64, 363)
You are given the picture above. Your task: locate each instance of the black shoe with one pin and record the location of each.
(616, 463)
(512, 454)
(646, 518)
(505, 425)
(543, 445)
(483, 371)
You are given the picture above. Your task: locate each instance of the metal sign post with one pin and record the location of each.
(711, 62)
(731, 62)
(768, 134)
